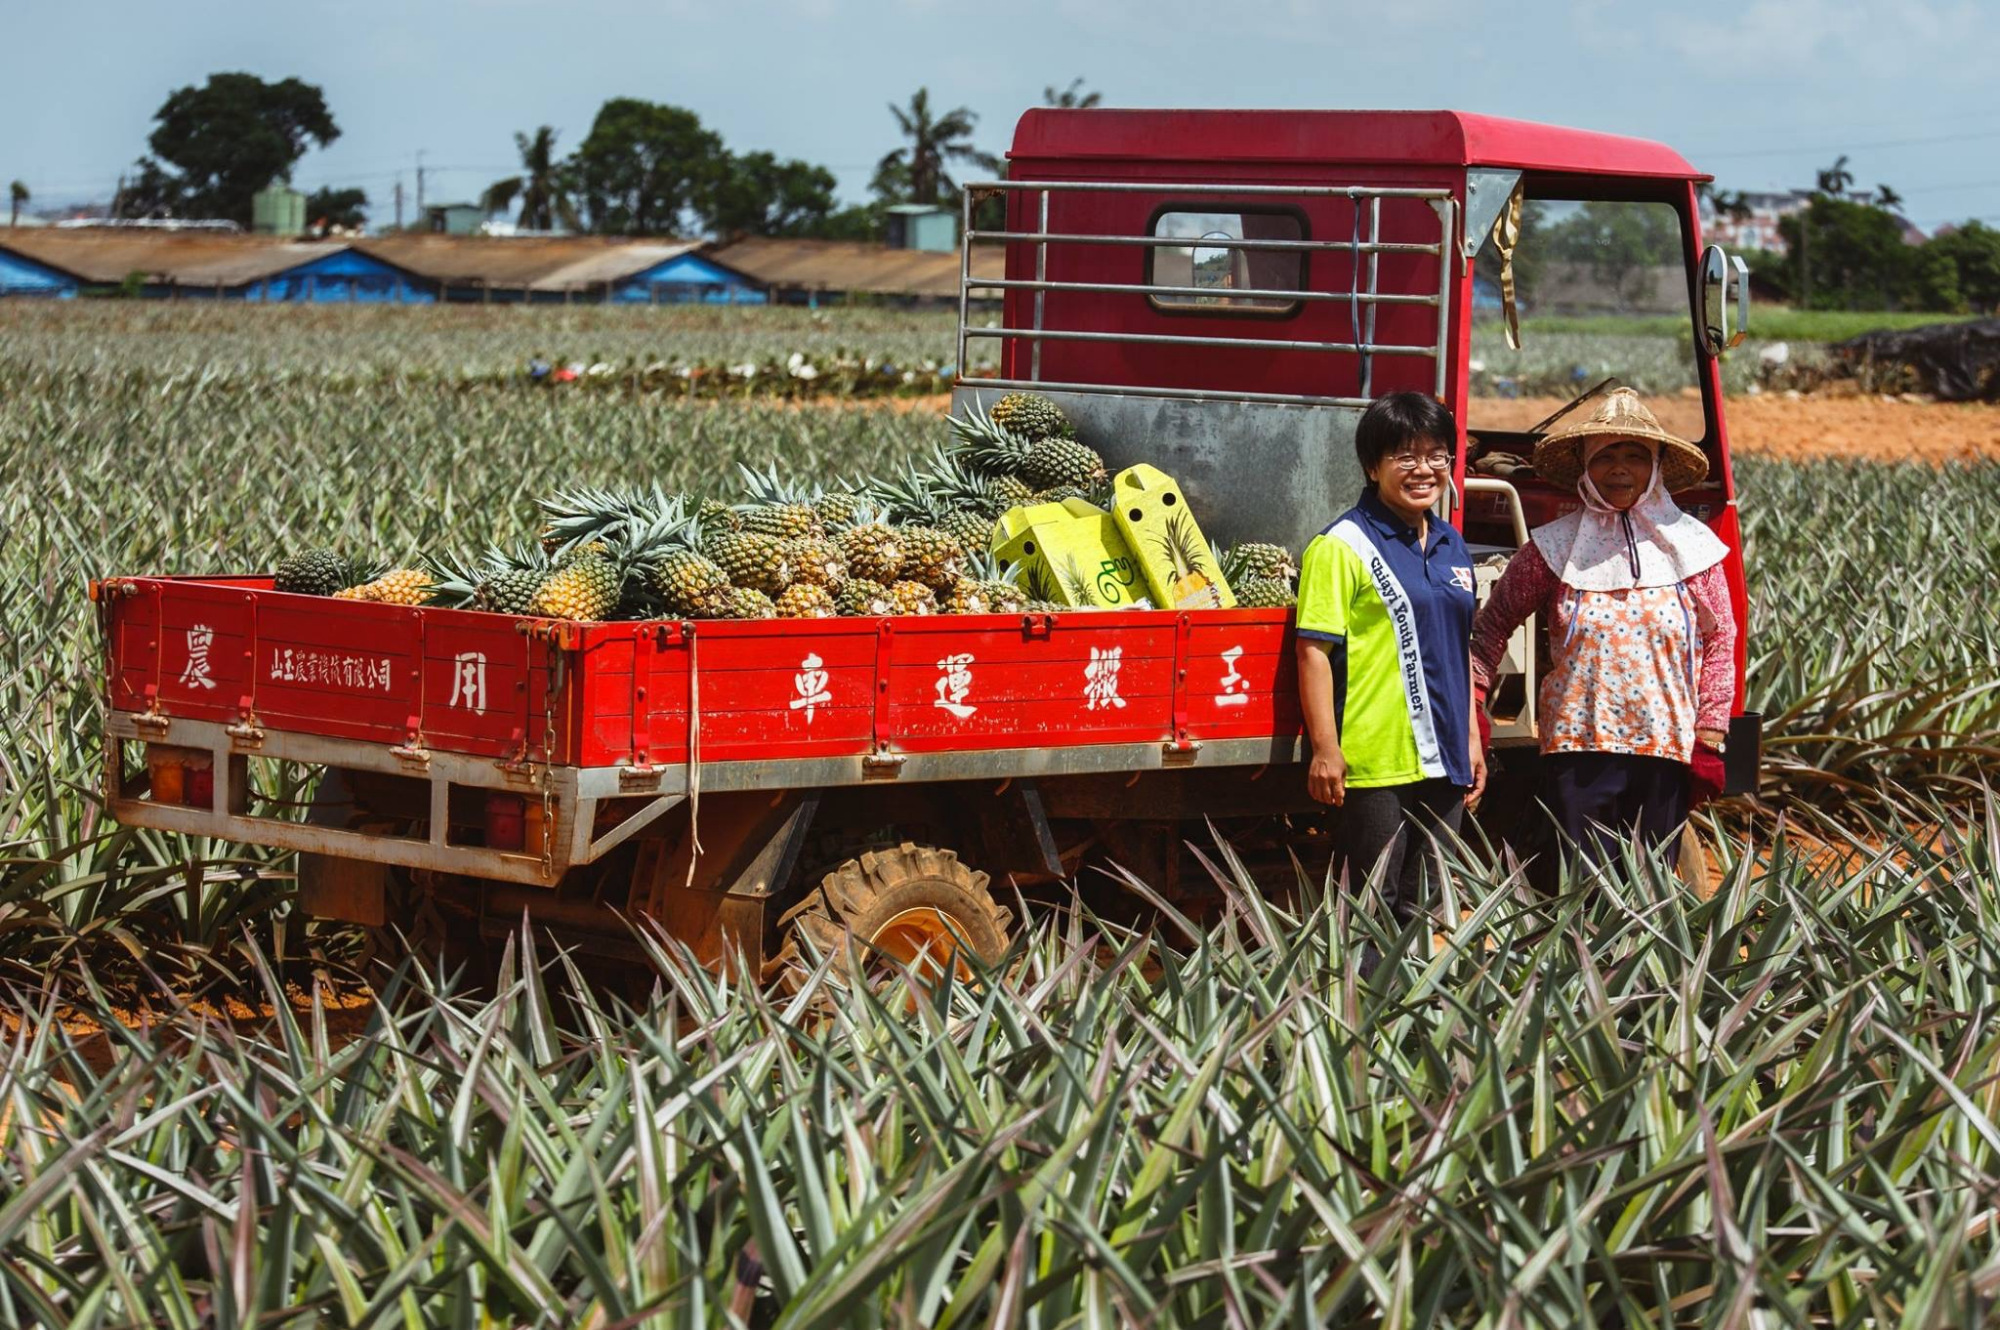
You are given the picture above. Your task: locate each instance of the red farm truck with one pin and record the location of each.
(1218, 293)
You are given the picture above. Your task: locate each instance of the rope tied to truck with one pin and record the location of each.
(1354, 285)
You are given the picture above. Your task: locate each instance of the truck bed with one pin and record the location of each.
(780, 701)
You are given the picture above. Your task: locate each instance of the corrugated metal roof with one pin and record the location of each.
(845, 265)
(537, 263)
(173, 257)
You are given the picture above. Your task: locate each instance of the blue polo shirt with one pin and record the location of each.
(1345, 601)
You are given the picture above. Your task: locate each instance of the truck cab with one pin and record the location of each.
(1222, 293)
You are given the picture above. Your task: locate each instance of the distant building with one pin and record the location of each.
(571, 269)
(218, 266)
(818, 272)
(925, 226)
(454, 219)
(1758, 229)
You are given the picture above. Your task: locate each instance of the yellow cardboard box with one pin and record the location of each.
(1072, 554)
(1159, 528)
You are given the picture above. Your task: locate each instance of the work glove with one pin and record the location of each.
(1705, 775)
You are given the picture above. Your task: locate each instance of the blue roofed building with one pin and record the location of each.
(219, 265)
(346, 276)
(21, 275)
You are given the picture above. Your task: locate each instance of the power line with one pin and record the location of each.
(1855, 147)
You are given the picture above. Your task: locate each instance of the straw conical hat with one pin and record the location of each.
(1620, 415)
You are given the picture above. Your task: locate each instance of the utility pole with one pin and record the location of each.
(399, 203)
(420, 186)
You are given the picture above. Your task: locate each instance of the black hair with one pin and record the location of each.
(1393, 421)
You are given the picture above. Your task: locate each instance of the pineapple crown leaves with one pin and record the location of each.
(584, 515)
(986, 566)
(763, 488)
(455, 581)
(1179, 546)
(986, 446)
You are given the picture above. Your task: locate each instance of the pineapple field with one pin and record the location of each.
(1771, 1105)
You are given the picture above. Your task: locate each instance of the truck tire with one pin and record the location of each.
(913, 905)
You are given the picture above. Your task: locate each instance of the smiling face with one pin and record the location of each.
(1410, 479)
(1621, 471)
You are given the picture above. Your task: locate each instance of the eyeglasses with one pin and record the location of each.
(1438, 461)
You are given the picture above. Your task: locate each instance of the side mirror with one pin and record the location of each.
(1717, 270)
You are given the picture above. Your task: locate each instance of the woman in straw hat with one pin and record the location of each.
(1641, 635)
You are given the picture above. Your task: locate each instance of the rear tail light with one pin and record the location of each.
(506, 822)
(184, 776)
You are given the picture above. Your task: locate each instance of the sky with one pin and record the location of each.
(1762, 93)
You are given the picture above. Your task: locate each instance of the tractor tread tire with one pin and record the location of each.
(862, 895)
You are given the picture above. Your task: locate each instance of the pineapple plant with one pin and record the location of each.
(740, 602)
(860, 598)
(931, 557)
(912, 598)
(816, 560)
(873, 550)
(750, 559)
(314, 572)
(1032, 416)
(806, 600)
(690, 584)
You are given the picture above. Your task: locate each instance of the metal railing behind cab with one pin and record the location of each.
(1363, 301)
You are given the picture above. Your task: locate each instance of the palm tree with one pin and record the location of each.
(916, 172)
(1072, 98)
(1836, 179)
(18, 193)
(543, 192)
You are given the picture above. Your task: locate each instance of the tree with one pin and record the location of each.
(542, 188)
(1619, 242)
(758, 195)
(217, 145)
(1973, 250)
(1836, 180)
(1072, 98)
(1858, 258)
(17, 194)
(916, 172)
(644, 166)
(329, 208)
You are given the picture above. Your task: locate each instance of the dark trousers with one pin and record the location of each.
(1377, 837)
(1598, 800)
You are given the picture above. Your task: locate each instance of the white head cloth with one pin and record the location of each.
(1651, 544)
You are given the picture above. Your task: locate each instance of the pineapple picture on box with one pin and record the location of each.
(1153, 515)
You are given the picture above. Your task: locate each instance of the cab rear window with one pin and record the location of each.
(1214, 278)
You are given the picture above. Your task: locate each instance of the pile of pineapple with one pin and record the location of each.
(917, 542)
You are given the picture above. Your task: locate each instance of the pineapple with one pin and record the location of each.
(713, 516)
(316, 572)
(401, 586)
(740, 602)
(588, 589)
(873, 551)
(973, 532)
(817, 561)
(931, 557)
(860, 598)
(1006, 492)
(1032, 416)
(986, 447)
(1264, 593)
(993, 582)
(912, 598)
(785, 521)
(750, 559)
(832, 509)
(690, 585)
(1053, 462)
(511, 591)
(1256, 560)
(804, 600)
(836, 508)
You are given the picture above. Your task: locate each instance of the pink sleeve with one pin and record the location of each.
(1717, 693)
(1523, 589)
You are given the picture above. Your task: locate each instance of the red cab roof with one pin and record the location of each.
(1453, 138)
